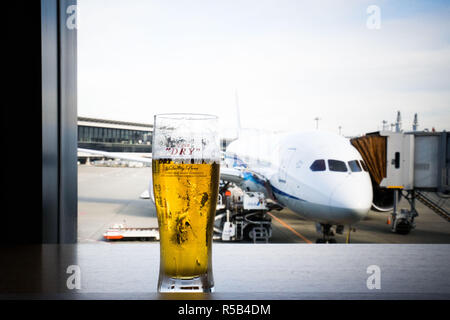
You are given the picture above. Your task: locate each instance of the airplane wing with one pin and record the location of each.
(234, 175)
(228, 174)
(231, 174)
(117, 155)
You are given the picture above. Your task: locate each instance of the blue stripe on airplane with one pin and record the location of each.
(282, 193)
(249, 176)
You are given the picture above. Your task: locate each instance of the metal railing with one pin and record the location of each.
(439, 205)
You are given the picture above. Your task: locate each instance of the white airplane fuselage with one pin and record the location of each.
(326, 192)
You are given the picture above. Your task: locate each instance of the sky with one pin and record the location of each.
(283, 62)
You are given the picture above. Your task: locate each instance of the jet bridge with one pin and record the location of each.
(413, 164)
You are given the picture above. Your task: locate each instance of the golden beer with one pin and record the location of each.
(185, 198)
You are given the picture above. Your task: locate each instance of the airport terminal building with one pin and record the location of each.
(117, 136)
(114, 136)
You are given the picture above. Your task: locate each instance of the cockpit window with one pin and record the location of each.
(318, 165)
(336, 165)
(363, 165)
(354, 166)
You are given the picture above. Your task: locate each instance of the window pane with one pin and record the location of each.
(95, 138)
(85, 133)
(363, 165)
(354, 166)
(318, 165)
(336, 165)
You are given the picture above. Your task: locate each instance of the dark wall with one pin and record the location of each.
(39, 124)
(21, 205)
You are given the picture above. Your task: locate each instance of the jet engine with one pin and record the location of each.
(383, 199)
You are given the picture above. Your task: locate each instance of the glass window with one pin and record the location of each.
(318, 165)
(95, 137)
(354, 166)
(337, 165)
(91, 134)
(84, 133)
(363, 165)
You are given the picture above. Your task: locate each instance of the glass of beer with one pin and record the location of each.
(185, 168)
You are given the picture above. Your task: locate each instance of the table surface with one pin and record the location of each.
(241, 271)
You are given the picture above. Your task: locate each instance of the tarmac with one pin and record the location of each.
(109, 195)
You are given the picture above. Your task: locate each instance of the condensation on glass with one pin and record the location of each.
(185, 168)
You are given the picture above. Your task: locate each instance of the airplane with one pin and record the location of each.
(318, 175)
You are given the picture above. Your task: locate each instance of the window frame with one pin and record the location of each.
(317, 161)
(337, 161)
(59, 122)
(357, 164)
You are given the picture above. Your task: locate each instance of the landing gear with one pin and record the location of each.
(403, 221)
(327, 233)
(326, 241)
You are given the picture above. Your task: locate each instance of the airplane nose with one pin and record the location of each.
(351, 201)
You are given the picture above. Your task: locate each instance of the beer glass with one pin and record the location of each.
(185, 168)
